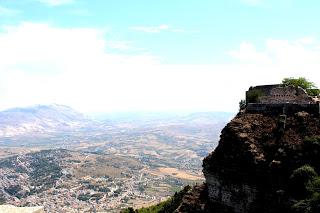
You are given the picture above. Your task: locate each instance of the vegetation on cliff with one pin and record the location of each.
(167, 206)
(306, 187)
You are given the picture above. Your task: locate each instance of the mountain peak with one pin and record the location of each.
(40, 119)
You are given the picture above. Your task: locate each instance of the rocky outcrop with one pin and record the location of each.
(195, 200)
(249, 170)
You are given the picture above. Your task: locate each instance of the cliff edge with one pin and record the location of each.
(260, 155)
(267, 159)
(250, 169)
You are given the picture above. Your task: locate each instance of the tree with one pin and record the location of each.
(302, 82)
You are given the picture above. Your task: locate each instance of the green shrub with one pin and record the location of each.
(301, 206)
(315, 203)
(314, 185)
(313, 92)
(303, 174)
(300, 179)
(167, 206)
(312, 141)
(309, 202)
(302, 82)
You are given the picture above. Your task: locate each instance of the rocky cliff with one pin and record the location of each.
(251, 169)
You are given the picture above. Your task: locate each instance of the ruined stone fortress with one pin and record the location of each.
(278, 99)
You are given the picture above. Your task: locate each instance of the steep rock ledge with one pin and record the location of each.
(250, 168)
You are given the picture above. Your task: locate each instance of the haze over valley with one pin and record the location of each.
(55, 157)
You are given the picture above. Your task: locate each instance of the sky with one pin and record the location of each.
(160, 55)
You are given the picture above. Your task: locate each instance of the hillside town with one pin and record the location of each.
(48, 179)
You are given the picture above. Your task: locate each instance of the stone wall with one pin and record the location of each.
(286, 95)
(277, 94)
(287, 108)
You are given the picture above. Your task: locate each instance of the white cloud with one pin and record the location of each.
(281, 52)
(8, 12)
(247, 52)
(306, 40)
(120, 45)
(156, 29)
(44, 64)
(56, 2)
(283, 58)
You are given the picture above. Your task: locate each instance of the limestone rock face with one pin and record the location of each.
(13, 209)
(250, 168)
(238, 197)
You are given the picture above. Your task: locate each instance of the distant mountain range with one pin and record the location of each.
(41, 119)
(50, 120)
(139, 119)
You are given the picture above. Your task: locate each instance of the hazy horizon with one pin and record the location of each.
(148, 114)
